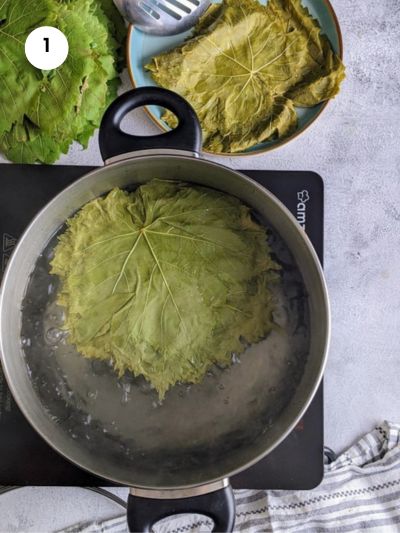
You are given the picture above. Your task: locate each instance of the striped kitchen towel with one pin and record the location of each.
(360, 492)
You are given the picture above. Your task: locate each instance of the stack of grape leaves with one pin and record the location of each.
(43, 112)
(247, 67)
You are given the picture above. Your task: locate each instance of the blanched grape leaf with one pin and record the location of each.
(165, 281)
(246, 67)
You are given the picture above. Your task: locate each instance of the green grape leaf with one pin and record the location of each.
(165, 281)
(27, 143)
(19, 80)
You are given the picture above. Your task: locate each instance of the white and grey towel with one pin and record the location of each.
(360, 492)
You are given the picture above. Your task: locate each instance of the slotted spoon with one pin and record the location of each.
(162, 17)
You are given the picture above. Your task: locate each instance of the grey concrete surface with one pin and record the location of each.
(355, 147)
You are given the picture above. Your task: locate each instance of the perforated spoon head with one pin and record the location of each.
(162, 17)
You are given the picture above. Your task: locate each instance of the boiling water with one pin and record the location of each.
(234, 405)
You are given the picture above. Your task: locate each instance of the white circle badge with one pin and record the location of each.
(46, 48)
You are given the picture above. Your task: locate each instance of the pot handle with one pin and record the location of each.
(114, 142)
(219, 505)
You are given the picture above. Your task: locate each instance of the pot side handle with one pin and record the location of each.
(114, 142)
(219, 505)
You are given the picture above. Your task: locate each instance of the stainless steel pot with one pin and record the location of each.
(178, 456)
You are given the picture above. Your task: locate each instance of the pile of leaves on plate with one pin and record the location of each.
(165, 281)
(245, 69)
(43, 112)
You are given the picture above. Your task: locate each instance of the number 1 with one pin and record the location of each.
(46, 40)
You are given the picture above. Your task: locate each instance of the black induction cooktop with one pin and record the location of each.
(26, 459)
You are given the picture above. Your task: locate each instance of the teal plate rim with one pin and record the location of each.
(154, 112)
